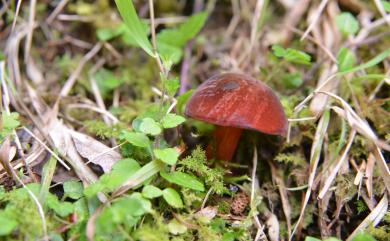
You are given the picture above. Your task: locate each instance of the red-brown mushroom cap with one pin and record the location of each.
(238, 100)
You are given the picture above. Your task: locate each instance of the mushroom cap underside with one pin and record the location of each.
(238, 100)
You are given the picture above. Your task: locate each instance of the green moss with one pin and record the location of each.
(195, 163)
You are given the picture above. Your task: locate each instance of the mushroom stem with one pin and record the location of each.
(226, 140)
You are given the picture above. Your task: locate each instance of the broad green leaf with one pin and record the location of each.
(136, 123)
(308, 238)
(150, 191)
(130, 17)
(374, 61)
(135, 205)
(186, 31)
(150, 126)
(184, 180)
(63, 209)
(347, 23)
(182, 101)
(73, 189)
(9, 121)
(121, 171)
(167, 155)
(172, 197)
(169, 54)
(291, 55)
(171, 41)
(292, 81)
(139, 177)
(105, 34)
(386, 5)
(81, 208)
(106, 80)
(135, 138)
(7, 223)
(345, 59)
(228, 236)
(363, 237)
(171, 86)
(332, 239)
(172, 120)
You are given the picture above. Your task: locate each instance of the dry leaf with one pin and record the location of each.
(95, 151)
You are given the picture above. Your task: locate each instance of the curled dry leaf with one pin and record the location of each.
(206, 214)
(95, 151)
(7, 153)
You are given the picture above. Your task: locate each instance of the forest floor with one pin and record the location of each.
(95, 143)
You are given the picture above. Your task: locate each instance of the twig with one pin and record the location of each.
(154, 42)
(206, 198)
(30, 32)
(73, 77)
(47, 148)
(315, 18)
(254, 168)
(382, 11)
(56, 11)
(16, 15)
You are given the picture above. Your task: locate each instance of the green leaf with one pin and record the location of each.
(291, 55)
(374, 61)
(347, 23)
(121, 171)
(169, 54)
(135, 138)
(167, 155)
(332, 239)
(10, 121)
(171, 86)
(386, 5)
(172, 120)
(63, 209)
(47, 176)
(150, 126)
(363, 237)
(308, 238)
(139, 177)
(150, 191)
(172, 198)
(292, 81)
(184, 180)
(106, 80)
(105, 34)
(345, 59)
(186, 31)
(171, 41)
(7, 223)
(73, 189)
(136, 30)
(228, 236)
(135, 205)
(182, 101)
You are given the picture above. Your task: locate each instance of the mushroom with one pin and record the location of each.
(234, 102)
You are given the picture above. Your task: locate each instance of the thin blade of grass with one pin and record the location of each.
(373, 218)
(47, 174)
(132, 21)
(314, 159)
(374, 61)
(143, 174)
